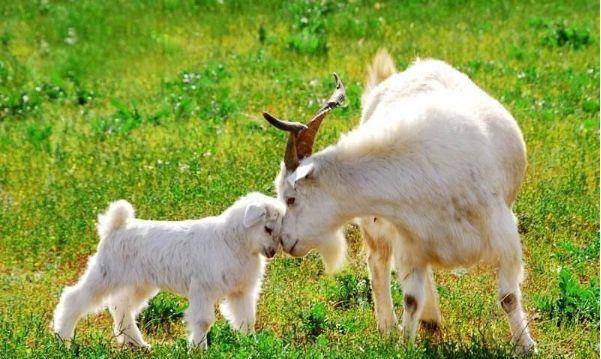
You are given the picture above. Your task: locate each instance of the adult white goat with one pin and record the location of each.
(436, 159)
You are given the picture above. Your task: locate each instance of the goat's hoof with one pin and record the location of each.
(431, 327)
(386, 326)
(528, 347)
(133, 344)
(195, 347)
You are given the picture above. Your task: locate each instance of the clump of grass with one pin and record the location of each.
(163, 310)
(84, 96)
(309, 34)
(122, 121)
(591, 106)
(315, 321)
(575, 303)
(5, 37)
(569, 251)
(52, 91)
(560, 34)
(39, 135)
(18, 103)
(479, 346)
(262, 344)
(349, 291)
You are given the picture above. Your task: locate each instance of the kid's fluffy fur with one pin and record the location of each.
(207, 260)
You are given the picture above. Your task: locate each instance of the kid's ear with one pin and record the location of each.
(253, 214)
(302, 171)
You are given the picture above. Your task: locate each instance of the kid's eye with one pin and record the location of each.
(290, 201)
(268, 230)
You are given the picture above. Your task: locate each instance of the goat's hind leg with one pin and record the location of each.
(430, 318)
(507, 240)
(413, 280)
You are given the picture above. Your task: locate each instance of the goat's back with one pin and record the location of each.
(424, 84)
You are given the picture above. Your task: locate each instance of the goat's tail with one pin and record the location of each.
(382, 66)
(114, 218)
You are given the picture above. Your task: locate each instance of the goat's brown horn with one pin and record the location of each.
(305, 139)
(293, 127)
(291, 159)
(337, 97)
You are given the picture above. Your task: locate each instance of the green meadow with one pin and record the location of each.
(159, 103)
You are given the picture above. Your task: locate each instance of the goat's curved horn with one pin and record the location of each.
(305, 139)
(337, 97)
(291, 160)
(293, 127)
(300, 140)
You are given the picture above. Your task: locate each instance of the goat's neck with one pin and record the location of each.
(357, 185)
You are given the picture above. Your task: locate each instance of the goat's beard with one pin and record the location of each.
(332, 249)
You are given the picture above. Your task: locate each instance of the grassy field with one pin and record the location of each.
(160, 104)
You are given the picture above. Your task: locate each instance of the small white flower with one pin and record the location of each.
(44, 46)
(71, 38)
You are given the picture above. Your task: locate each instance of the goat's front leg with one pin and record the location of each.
(379, 261)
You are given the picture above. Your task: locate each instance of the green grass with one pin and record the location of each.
(160, 102)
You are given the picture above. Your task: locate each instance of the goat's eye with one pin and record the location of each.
(290, 201)
(268, 230)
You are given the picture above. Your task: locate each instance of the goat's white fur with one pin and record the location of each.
(438, 160)
(206, 260)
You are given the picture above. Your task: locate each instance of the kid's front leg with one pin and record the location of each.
(240, 310)
(200, 316)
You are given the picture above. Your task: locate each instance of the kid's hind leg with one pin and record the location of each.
(508, 244)
(125, 307)
(84, 297)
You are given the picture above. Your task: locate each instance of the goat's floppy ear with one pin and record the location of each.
(302, 171)
(253, 214)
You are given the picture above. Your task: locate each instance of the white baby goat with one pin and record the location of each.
(206, 260)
